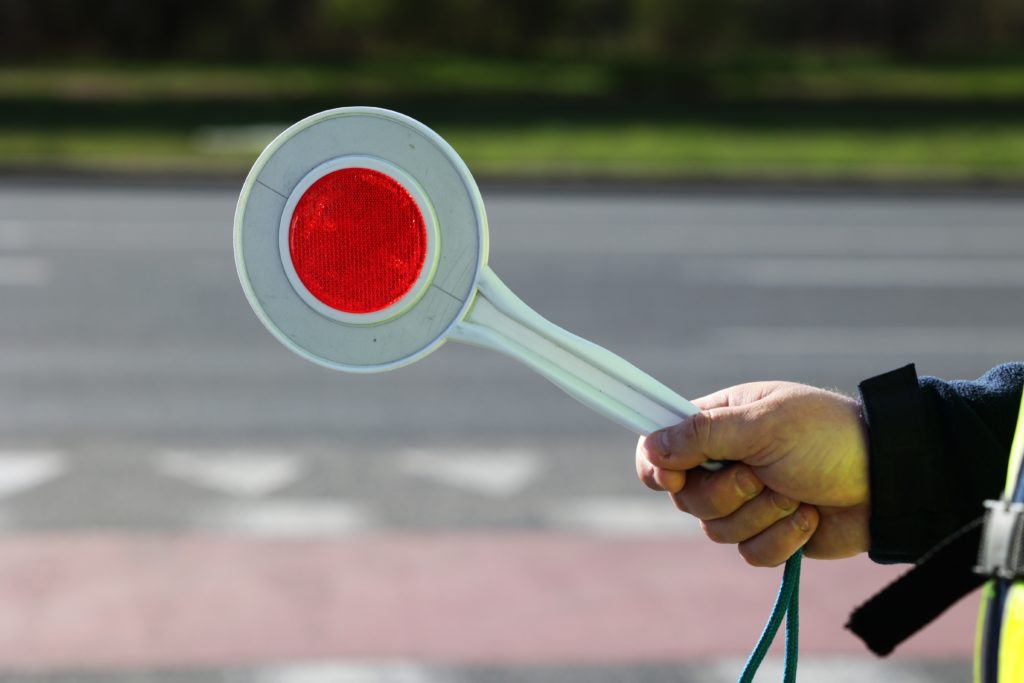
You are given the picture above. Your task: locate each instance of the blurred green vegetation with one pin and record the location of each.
(666, 89)
(303, 30)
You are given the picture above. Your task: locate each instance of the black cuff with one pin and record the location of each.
(898, 445)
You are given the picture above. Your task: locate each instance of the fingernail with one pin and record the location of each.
(801, 522)
(782, 502)
(663, 443)
(746, 483)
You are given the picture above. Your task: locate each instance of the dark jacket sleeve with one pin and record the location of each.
(937, 450)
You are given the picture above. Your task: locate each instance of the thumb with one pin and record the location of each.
(721, 433)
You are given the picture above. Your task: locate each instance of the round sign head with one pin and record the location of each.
(359, 239)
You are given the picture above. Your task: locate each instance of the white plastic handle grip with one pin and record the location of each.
(500, 321)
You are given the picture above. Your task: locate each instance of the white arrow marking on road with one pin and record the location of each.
(241, 474)
(23, 470)
(491, 473)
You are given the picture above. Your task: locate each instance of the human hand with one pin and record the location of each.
(800, 476)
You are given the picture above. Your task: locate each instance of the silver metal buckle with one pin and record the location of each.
(1002, 541)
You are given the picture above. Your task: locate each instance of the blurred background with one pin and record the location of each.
(646, 89)
(719, 191)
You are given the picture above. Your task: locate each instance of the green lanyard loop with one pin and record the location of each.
(787, 605)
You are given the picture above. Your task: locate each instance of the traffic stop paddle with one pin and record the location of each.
(361, 243)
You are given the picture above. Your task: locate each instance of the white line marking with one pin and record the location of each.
(872, 273)
(13, 235)
(347, 672)
(586, 233)
(241, 474)
(496, 474)
(148, 234)
(825, 341)
(237, 139)
(24, 470)
(287, 517)
(831, 669)
(623, 516)
(24, 271)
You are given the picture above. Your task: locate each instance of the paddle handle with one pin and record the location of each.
(500, 321)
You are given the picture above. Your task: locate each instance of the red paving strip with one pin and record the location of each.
(120, 600)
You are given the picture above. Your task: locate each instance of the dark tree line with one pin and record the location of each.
(34, 30)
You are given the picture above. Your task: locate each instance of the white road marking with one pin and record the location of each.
(347, 672)
(237, 139)
(13, 235)
(24, 470)
(578, 227)
(622, 516)
(496, 474)
(153, 234)
(825, 341)
(241, 474)
(833, 670)
(24, 271)
(286, 517)
(69, 358)
(871, 273)
(812, 669)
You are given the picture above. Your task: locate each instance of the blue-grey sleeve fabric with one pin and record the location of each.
(937, 450)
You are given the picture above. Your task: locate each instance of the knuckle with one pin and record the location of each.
(805, 520)
(680, 504)
(714, 533)
(783, 503)
(715, 508)
(755, 557)
(749, 557)
(718, 498)
(746, 482)
(697, 430)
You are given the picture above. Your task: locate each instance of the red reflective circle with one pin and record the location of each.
(357, 240)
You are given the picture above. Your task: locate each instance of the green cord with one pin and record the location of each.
(792, 618)
(787, 604)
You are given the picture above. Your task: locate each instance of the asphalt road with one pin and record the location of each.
(140, 396)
